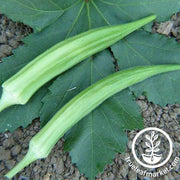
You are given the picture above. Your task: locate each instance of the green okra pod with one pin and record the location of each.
(59, 58)
(82, 104)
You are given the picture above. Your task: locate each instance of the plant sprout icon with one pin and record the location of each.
(152, 145)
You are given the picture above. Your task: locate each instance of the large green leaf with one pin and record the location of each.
(79, 16)
(101, 133)
(143, 48)
(40, 13)
(36, 13)
(76, 19)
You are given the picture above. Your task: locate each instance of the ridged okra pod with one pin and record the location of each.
(59, 58)
(82, 104)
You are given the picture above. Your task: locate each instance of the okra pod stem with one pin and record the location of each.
(82, 104)
(59, 58)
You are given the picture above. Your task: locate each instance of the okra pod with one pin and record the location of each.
(59, 58)
(82, 104)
